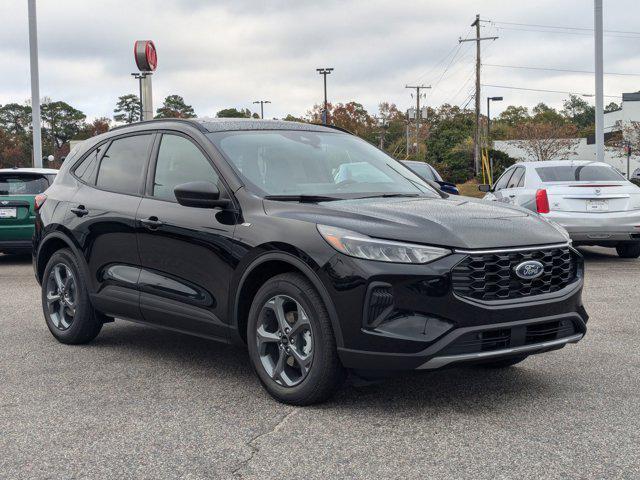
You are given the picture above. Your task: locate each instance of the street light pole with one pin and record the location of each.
(599, 81)
(262, 102)
(35, 85)
(489, 100)
(324, 72)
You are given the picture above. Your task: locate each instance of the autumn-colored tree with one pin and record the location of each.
(98, 126)
(127, 109)
(175, 107)
(545, 141)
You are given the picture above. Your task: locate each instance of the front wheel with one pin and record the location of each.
(628, 250)
(65, 302)
(291, 342)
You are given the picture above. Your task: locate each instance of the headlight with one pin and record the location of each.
(361, 246)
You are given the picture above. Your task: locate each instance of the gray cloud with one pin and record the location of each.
(229, 53)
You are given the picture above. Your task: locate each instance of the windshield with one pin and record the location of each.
(287, 162)
(16, 184)
(577, 173)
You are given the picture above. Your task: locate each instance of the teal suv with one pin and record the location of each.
(19, 188)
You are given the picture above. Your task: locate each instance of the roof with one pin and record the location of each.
(228, 124)
(561, 163)
(37, 171)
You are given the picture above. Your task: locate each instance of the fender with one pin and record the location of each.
(58, 235)
(307, 271)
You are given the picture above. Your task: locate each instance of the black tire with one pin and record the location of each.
(628, 250)
(325, 374)
(504, 363)
(86, 323)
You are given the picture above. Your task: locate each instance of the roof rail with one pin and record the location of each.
(163, 120)
(340, 129)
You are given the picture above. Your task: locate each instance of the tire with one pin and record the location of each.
(302, 306)
(504, 363)
(628, 250)
(85, 323)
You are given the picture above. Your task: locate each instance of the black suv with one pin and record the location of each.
(310, 246)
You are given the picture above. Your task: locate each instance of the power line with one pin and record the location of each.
(557, 27)
(546, 91)
(558, 69)
(582, 34)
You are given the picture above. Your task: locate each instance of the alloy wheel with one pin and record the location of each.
(284, 338)
(61, 296)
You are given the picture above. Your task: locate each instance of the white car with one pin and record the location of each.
(591, 200)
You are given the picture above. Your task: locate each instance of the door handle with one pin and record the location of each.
(80, 211)
(512, 196)
(152, 223)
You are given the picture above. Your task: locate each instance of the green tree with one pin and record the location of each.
(127, 109)
(544, 113)
(513, 115)
(579, 112)
(175, 107)
(15, 118)
(612, 107)
(292, 118)
(61, 122)
(234, 113)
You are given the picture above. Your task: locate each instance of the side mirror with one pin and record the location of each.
(484, 188)
(200, 195)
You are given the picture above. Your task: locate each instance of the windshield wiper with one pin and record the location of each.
(390, 195)
(301, 198)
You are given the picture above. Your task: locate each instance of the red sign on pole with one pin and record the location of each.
(145, 54)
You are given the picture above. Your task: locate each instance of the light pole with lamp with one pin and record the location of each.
(324, 72)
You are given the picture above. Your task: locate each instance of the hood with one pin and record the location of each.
(459, 222)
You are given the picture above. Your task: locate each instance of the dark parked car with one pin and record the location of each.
(242, 231)
(427, 172)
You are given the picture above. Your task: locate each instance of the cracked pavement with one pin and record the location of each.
(145, 403)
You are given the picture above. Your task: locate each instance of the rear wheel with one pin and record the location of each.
(628, 250)
(291, 342)
(65, 301)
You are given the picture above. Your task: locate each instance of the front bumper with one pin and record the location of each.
(431, 327)
(599, 227)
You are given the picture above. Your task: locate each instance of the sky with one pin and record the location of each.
(229, 53)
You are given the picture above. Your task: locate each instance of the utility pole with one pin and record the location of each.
(35, 85)
(599, 81)
(262, 102)
(324, 72)
(476, 138)
(417, 89)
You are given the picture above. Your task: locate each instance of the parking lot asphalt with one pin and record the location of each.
(145, 403)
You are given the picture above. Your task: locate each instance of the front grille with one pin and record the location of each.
(510, 337)
(490, 276)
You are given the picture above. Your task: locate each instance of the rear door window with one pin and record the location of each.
(22, 184)
(578, 173)
(123, 164)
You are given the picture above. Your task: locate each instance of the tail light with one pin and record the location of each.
(542, 201)
(39, 201)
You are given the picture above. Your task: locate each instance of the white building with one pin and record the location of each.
(585, 148)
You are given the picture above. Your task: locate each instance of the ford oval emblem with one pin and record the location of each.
(529, 270)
